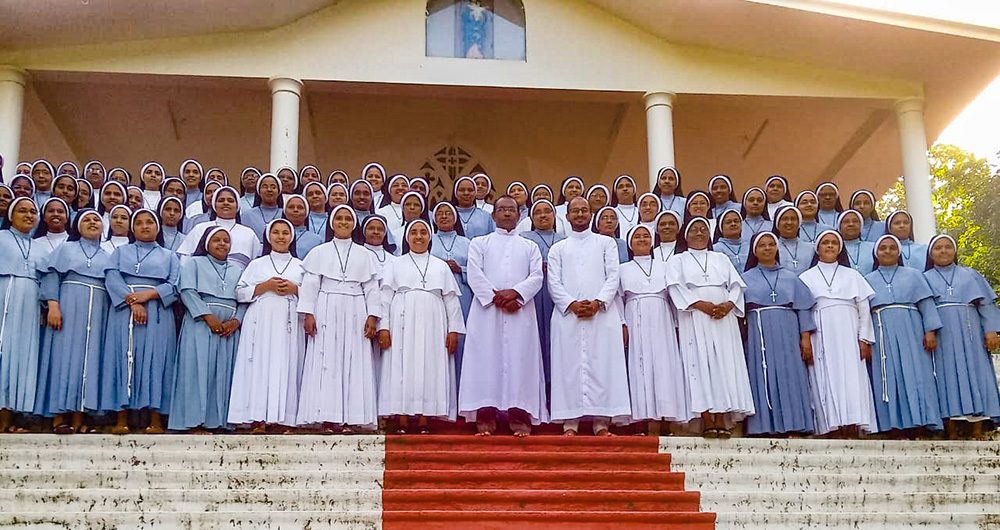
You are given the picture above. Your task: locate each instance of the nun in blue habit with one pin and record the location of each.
(543, 234)
(967, 385)
(451, 245)
(900, 224)
(810, 228)
(171, 212)
(210, 334)
(778, 348)
(267, 204)
(863, 201)
(72, 285)
(20, 258)
(798, 254)
(141, 337)
(728, 239)
(295, 211)
(860, 252)
(755, 215)
(905, 319)
(475, 221)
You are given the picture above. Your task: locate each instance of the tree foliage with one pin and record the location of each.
(964, 190)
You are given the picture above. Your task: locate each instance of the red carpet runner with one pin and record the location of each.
(454, 482)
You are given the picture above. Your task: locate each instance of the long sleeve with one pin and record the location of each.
(929, 314)
(244, 292)
(561, 298)
(806, 322)
(736, 291)
(990, 315)
(530, 286)
(308, 293)
(193, 302)
(168, 290)
(453, 310)
(49, 286)
(386, 295)
(482, 287)
(241, 311)
(116, 286)
(373, 302)
(866, 329)
(611, 274)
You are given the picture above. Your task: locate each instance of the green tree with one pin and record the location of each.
(964, 189)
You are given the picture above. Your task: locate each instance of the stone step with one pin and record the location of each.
(192, 478)
(178, 442)
(538, 443)
(535, 479)
(191, 500)
(569, 520)
(341, 520)
(819, 502)
(856, 521)
(540, 500)
(848, 464)
(755, 446)
(340, 459)
(840, 482)
(523, 460)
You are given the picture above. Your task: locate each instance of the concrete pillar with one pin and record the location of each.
(285, 94)
(916, 169)
(12, 83)
(659, 132)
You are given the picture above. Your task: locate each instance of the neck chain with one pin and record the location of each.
(704, 268)
(380, 259)
(648, 274)
(730, 247)
(671, 205)
(805, 231)
(275, 267)
(393, 210)
(25, 251)
(423, 275)
(888, 283)
(855, 260)
(951, 290)
(829, 284)
(90, 257)
(663, 254)
(867, 231)
(548, 244)
(322, 226)
(635, 212)
(174, 239)
(760, 222)
(774, 286)
(138, 260)
(49, 242)
(909, 250)
(273, 217)
(225, 269)
(454, 240)
(794, 252)
(343, 262)
(465, 220)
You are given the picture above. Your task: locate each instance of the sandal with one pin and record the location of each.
(86, 429)
(724, 434)
(710, 433)
(64, 428)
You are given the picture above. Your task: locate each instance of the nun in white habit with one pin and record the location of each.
(708, 294)
(340, 301)
(267, 371)
(418, 333)
(839, 383)
(226, 214)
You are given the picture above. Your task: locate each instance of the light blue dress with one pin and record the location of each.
(450, 245)
(622, 250)
(256, 219)
(717, 211)
(902, 371)
(69, 373)
(476, 222)
(872, 230)
(827, 217)
(809, 231)
(861, 254)
(246, 202)
(966, 303)
(543, 300)
(305, 241)
(753, 225)
(172, 238)
(674, 203)
(203, 376)
(139, 359)
(734, 249)
(193, 196)
(318, 222)
(914, 254)
(779, 379)
(796, 255)
(19, 325)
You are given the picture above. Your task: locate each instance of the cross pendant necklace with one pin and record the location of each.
(423, 274)
(343, 262)
(704, 268)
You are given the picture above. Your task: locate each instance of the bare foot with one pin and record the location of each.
(199, 431)
(569, 432)
(154, 429)
(484, 434)
(260, 428)
(521, 434)
(120, 429)
(604, 432)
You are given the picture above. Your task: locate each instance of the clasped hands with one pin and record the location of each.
(506, 300)
(716, 311)
(585, 308)
(221, 328)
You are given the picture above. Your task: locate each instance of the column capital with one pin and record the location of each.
(285, 84)
(13, 74)
(902, 106)
(663, 97)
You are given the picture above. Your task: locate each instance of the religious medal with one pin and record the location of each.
(774, 297)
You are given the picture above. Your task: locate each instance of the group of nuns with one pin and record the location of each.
(298, 301)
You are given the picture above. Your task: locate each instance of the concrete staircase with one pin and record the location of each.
(860, 485)
(183, 481)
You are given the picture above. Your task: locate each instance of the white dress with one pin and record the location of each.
(381, 258)
(109, 245)
(340, 288)
(419, 308)
(268, 366)
(502, 367)
(393, 214)
(587, 355)
(628, 216)
(151, 199)
(839, 383)
(714, 361)
(245, 245)
(655, 368)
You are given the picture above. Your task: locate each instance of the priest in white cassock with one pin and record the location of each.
(502, 370)
(588, 349)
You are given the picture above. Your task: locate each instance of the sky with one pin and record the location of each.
(975, 129)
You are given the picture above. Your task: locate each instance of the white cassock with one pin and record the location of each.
(268, 368)
(502, 367)
(381, 258)
(419, 308)
(839, 383)
(245, 245)
(655, 366)
(340, 289)
(394, 224)
(588, 355)
(714, 361)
